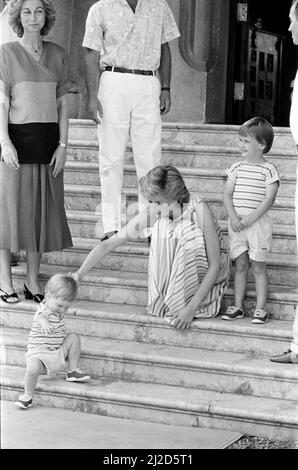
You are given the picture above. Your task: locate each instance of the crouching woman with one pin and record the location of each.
(188, 261)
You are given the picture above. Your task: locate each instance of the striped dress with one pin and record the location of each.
(178, 263)
(46, 343)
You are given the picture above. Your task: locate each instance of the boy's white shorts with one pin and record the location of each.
(256, 240)
(52, 360)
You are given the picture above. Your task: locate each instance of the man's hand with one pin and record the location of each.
(58, 160)
(165, 101)
(236, 224)
(94, 108)
(182, 319)
(9, 155)
(45, 325)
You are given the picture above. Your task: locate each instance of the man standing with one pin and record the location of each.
(126, 45)
(291, 356)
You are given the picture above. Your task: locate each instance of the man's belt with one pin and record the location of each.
(109, 68)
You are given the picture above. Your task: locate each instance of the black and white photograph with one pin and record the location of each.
(148, 229)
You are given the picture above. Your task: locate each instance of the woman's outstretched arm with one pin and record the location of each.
(131, 230)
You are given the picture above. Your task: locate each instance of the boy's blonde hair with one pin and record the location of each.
(63, 286)
(259, 129)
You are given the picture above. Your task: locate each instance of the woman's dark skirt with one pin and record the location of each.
(32, 209)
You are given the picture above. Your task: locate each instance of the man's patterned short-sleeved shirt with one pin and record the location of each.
(128, 39)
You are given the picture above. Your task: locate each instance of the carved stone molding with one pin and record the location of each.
(200, 23)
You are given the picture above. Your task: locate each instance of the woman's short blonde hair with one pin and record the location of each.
(62, 286)
(166, 180)
(15, 7)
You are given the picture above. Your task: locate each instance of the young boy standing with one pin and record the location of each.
(49, 347)
(249, 193)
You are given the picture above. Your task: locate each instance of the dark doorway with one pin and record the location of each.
(262, 61)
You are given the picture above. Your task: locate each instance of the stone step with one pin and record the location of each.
(171, 365)
(85, 224)
(88, 198)
(268, 417)
(218, 158)
(132, 288)
(189, 133)
(132, 257)
(132, 323)
(219, 134)
(197, 179)
(187, 155)
(281, 268)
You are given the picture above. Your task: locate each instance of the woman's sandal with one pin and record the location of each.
(29, 296)
(9, 298)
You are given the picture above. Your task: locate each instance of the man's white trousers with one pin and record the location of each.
(131, 108)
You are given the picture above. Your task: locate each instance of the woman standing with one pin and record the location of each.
(188, 262)
(33, 136)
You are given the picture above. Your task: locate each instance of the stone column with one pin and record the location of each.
(204, 28)
(62, 34)
(68, 31)
(81, 9)
(62, 30)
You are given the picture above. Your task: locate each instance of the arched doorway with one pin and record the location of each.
(262, 61)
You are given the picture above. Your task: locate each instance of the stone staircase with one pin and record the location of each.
(216, 374)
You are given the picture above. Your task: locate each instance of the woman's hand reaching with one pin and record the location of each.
(182, 319)
(9, 155)
(75, 276)
(58, 160)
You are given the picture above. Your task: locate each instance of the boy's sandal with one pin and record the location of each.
(9, 298)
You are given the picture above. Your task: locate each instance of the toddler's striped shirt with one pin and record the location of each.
(46, 342)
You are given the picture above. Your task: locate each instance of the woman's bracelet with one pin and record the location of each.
(62, 144)
(5, 143)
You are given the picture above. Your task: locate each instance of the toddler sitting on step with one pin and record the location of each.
(49, 347)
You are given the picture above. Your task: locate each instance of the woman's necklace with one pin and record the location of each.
(35, 52)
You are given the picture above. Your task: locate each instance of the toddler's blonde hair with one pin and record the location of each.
(63, 286)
